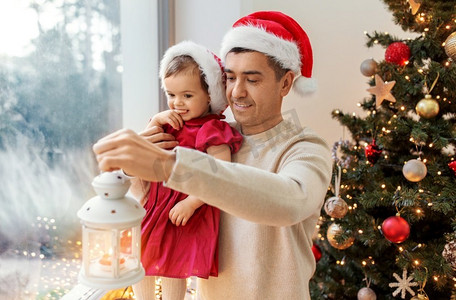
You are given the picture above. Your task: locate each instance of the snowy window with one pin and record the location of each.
(60, 91)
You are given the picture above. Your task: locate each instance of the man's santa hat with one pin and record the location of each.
(209, 64)
(278, 36)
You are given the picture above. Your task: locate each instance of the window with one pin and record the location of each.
(60, 90)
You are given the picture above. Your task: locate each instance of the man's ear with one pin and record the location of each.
(286, 83)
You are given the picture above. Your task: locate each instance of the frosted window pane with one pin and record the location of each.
(60, 90)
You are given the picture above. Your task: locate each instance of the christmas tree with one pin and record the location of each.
(388, 227)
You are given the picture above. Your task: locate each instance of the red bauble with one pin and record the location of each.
(397, 53)
(452, 166)
(316, 252)
(373, 152)
(396, 229)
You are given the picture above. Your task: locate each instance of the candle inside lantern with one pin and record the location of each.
(106, 261)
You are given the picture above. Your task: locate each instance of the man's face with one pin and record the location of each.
(254, 94)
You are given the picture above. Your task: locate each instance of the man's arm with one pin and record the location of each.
(183, 210)
(282, 199)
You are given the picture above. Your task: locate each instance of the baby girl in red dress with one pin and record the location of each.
(179, 232)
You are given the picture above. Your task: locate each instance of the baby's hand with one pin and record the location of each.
(181, 213)
(168, 117)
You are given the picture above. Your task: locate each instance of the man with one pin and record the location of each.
(272, 192)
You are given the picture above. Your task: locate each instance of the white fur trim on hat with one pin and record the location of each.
(286, 53)
(305, 86)
(208, 65)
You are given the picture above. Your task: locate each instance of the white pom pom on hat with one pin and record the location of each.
(278, 36)
(209, 64)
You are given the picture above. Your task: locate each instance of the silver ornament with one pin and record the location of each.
(449, 253)
(414, 170)
(368, 67)
(336, 207)
(366, 294)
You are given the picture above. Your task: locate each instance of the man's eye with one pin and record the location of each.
(252, 80)
(230, 78)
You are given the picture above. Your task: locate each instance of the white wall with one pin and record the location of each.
(140, 60)
(205, 21)
(336, 30)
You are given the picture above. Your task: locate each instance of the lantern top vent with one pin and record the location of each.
(112, 208)
(111, 185)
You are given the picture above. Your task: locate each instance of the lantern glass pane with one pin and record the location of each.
(100, 252)
(136, 241)
(129, 249)
(126, 242)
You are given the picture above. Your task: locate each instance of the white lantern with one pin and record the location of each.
(111, 235)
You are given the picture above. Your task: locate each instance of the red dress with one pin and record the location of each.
(190, 250)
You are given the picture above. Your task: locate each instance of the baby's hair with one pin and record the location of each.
(185, 63)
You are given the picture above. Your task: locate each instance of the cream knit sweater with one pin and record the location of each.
(271, 195)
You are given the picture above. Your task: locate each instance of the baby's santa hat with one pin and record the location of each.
(278, 36)
(209, 64)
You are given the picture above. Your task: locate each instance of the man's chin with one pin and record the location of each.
(244, 121)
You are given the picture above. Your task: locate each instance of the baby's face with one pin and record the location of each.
(186, 96)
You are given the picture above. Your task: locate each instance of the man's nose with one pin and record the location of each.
(238, 90)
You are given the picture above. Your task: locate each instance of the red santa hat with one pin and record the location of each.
(278, 36)
(209, 64)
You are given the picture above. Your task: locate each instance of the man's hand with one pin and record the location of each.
(126, 150)
(158, 137)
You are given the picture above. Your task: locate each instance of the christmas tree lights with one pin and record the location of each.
(399, 176)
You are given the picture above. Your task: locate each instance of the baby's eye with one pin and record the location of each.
(187, 96)
(170, 95)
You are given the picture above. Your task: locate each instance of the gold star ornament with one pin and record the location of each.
(414, 5)
(382, 90)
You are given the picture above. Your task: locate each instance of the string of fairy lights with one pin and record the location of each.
(59, 271)
(58, 267)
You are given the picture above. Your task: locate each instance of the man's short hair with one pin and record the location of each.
(279, 71)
